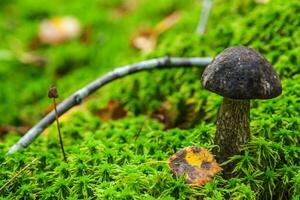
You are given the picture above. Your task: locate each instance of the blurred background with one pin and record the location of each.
(70, 43)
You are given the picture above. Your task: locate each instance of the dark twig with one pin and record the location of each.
(53, 94)
(78, 96)
(17, 174)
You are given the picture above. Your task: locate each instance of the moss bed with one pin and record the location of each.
(112, 160)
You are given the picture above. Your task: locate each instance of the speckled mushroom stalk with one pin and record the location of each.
(233, 127)
(239, 74)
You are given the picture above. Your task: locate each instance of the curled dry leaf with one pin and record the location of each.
(114, 110)
(197, 164)
(59, 29)
(145, 39)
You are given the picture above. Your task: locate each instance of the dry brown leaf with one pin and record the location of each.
(145, 39)
(165, 115)
(35, 43)
(33, 58)
(167, 22)
(114, 110)
(125, 8)
(4, 129)
(196, 164)
(184, 116)
(86, 35)
(59, 29)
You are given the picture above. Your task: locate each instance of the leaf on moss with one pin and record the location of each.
(4, 129)
(145, 39)
(59, 29)
(125, 8)
(33, 58)
(184, 114)
(165, 115)
(114, 110)
(197, 164)
(86, 35)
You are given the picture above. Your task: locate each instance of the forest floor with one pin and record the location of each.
(155, 113)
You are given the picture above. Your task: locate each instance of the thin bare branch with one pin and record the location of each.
(207, 4)
(77, 97)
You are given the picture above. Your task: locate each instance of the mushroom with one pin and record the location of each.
(238, 74)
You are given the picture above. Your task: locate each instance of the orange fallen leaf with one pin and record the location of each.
(59, 29)
(145, 39)
(197, 164)
(114, 110)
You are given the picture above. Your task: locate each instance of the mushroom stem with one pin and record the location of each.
(233, 128)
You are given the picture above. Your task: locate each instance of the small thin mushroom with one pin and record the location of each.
(238, 74)
(53, 94)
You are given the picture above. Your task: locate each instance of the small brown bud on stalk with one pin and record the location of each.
(53, 94)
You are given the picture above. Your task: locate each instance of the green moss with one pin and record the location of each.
(106, 159)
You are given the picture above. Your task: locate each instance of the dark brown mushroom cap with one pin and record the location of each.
(242, 73)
